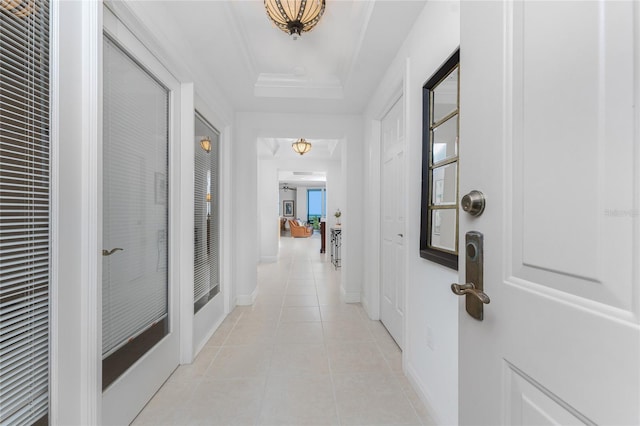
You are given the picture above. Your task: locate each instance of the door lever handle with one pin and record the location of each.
(110, 252)
(470, 288)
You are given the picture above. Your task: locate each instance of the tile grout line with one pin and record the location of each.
(268, 372)
(331, 374)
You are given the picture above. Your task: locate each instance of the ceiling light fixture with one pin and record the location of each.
(295, 17)
(301, 146)
(205, 143)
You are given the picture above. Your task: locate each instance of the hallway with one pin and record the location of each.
(298, 356)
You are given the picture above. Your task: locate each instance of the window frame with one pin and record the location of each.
(448, 258)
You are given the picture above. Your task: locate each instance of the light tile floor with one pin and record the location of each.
(299, 356)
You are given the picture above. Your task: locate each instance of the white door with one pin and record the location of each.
(393, 218)
(549, 134)
(140, 341)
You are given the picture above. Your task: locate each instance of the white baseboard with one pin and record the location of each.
(423, 394)
(349, 296)
(247, 299)
(367, 309)
(207, 337)
(268, 259)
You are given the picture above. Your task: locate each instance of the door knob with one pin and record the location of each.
(110, 252)
(473, 203)
(470, 288)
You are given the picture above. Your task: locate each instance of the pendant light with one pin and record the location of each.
(301, 146)
(295, 17)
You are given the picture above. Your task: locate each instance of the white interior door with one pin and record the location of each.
(550, 135)
(393, 219)
(140, 340)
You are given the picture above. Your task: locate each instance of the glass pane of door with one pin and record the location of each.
(206, 214)
(135, 161)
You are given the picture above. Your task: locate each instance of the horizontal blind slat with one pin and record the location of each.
(21, 396)
(8, 123)
(19, 271)
(30, 368)
(25, 349)
(13, 144)
(29, 413)
(35, 29)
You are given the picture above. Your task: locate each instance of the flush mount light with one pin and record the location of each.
(295, 17)
(205, 144)
(301, 146)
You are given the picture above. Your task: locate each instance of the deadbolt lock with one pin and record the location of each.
(473, 203)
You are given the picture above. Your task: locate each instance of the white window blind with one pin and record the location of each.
(135, 197)
(24, 212)
(206, 211)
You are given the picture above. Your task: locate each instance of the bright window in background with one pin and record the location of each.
(316, 206)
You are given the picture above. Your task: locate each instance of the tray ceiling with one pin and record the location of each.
(332, 69)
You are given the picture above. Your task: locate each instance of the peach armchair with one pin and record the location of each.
(299, 231)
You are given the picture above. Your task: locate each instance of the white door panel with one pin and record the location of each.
(549, 134)
(393, 219)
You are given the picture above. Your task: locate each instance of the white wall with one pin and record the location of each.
(431, 308)
(301, 203)
(256, 237)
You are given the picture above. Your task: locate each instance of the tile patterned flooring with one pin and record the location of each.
(299, 356)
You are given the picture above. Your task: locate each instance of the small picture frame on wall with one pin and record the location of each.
(287, 208)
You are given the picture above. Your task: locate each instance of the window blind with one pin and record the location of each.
(135, 199)
(206, 219)
(24, 212)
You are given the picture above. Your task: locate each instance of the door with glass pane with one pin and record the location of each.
(137, 348)
(206, 216)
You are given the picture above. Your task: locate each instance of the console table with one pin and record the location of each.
(323, 236)
(336, 243)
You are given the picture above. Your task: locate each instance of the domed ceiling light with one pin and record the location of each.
(301, 146)
(295, 17)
